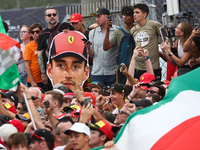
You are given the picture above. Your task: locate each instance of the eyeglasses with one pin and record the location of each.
(120, 112)
(49, 15)
(23, 32)
(36, 31)
(34, 98)
(151, 91)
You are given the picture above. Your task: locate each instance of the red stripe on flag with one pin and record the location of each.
(184, 136)
(7, 42)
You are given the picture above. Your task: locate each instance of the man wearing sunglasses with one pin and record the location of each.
(35, 94)
(51, 17)
(156, 90)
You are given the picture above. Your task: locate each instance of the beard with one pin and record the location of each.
(52, 22)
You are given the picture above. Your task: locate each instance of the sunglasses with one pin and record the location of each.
(23, 32)
(121, 112)
(36, 31)
(33, 97)
(49, 15)
(40, 138)
(151, 92)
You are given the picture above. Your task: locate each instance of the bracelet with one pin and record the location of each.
(131, 97)
(146, 58)
(31, 104)
(170, 54)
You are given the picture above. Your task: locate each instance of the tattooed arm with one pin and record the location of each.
(42, 68)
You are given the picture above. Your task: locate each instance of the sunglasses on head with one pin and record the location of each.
(49, 15)
(33, 97)
(36, 31)
(151, 91)
(121, 112)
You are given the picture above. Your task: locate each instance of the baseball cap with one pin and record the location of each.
(72, 107)
(146, 78)
(69, 95)
(68, 44)
(10, 108)
(75, 18)
(96, 85)
(109, 116)
(76, 113)
(6, 130)
(43, 134)
(25, 116)
(80, 128)
(4, 118)
(121, 88)
(100, 11)
(102, 126)
(143, 102)
(11, 96)
(17, 124)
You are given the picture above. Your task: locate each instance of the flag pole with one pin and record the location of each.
(34, 126)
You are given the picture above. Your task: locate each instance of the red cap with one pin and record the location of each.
(104, 127)
(10, 108)
(147, 78)
(69, 95)
(75, 18)
(17, 124)
(76, 113)
(68, 44)
(93, 98)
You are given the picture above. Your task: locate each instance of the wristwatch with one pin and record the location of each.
(170, 54)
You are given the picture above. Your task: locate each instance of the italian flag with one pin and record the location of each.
(9, 55)
(172, 124)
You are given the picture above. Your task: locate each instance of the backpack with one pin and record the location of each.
(126, 48)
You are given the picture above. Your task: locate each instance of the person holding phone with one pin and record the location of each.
(182, 32)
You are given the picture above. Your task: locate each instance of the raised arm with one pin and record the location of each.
(189, 44)
(106, 44)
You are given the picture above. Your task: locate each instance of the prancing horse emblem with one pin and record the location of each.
(70, 39)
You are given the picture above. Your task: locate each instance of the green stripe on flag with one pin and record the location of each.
(9, 78)
(2, 29)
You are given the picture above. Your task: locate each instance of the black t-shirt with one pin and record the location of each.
(43, 38)
(197, 42)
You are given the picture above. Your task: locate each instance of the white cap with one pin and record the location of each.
(6, 130)
(80, 128)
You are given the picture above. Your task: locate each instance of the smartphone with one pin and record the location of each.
(46, 104)
(84, 39)
(110, 19)
(109, 101)
(121, 67)
(87, 100)
(196, 25)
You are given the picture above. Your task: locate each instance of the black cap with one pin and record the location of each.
(4, 118)
(43, 134)
(11, 96)
(100, 11)
(121, 88)
(143, 102)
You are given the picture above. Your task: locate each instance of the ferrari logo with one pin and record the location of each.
(97, 9)
(70, 39)
(72, 16)
(142, 78)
